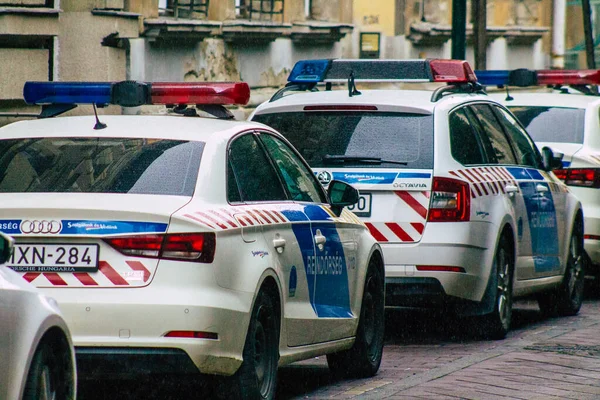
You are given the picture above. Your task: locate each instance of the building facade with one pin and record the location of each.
(61, 40)
(518, 31)
(257, 41)
(575, 55)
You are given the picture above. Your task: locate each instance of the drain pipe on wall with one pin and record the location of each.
(559, 19)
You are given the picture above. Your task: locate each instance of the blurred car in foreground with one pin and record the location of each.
(566, 119)
(36, 353)
(182, 244)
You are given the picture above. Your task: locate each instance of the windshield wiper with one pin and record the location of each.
(341, 159)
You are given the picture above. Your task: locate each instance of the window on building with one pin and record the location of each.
(369, 45)
(185, 8)
(526, 12)
(260, 10)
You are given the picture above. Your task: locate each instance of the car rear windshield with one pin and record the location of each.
(552, 124)
(99, 165)
(400, 140)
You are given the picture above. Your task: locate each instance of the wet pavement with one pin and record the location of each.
(430, 356)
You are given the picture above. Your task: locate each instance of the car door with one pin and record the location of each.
(544, 220)
(515, 184)
(333, 240)
(261, 200)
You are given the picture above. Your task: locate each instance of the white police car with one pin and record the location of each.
(182, 244)
(460, 199)
(36, 351)
(568, 121)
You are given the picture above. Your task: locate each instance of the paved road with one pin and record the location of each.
(428, 357)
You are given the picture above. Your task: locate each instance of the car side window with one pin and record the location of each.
(233, 191)
(494, 134)
(465, 145)
(523, 146)
(253, 172)
(297, 177)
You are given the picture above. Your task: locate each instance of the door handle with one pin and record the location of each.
(541, 188)
(511, 188)
(279, 244)
(319, 238)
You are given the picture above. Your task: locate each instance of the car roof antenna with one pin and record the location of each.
(99, 125)
(352, 91)
(508, 96)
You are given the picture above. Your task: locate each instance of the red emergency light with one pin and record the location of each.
(568, 77)
(451, 71)
(220, 93)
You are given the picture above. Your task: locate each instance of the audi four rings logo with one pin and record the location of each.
(41, 226)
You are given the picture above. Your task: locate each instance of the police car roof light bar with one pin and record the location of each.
(425, 70)
(525, 77)
(130, 93)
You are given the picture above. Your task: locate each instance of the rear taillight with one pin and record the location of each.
(192, 335)
(439, 268)
(450, 201)
(198, 247)
(584, 177)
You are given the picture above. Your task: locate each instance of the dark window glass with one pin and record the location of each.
(494, 134)
(255, 176)
(486, 145)
(389, 136)
(523, 147)
(464, 141)
(233, 192)
(100, 165)
(299, 180)
(552, 124)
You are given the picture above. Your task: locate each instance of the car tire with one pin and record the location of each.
(497, 324)
(47, 377)
(256, 379)
(364, 358)
(567, 299)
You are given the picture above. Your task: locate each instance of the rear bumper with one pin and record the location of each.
(414, 292)
(129, 362)
(590, 202)
(121, 326)
(469, 246)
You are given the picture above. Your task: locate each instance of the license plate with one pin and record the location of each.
(29, 257)
(363, 207)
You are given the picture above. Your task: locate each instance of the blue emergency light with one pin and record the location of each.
(309, 71)
(340, 70)
(67, 92)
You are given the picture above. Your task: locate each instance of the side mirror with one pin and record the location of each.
(341, 195)
(551, 160)
(6, 247)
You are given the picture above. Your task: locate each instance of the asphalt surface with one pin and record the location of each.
(431, 356)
